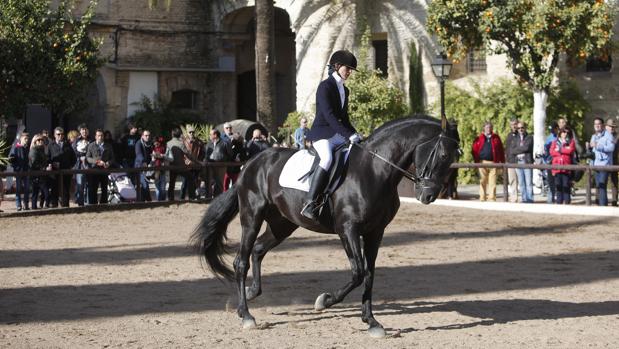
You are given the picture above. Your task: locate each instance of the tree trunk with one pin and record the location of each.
(540, 101)
(265, 57)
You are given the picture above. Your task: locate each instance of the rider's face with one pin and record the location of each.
(344, 72)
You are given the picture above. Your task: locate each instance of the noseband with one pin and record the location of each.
(428, 166)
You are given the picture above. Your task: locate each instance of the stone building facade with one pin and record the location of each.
(200, 54)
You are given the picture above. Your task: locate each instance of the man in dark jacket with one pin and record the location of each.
(522, 149)
(143, 157)
(217, 150)
(62, 157)
(99, 155)
(18, 157)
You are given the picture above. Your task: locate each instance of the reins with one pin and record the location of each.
(409, 175)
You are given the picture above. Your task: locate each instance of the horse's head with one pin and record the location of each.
(432, 159)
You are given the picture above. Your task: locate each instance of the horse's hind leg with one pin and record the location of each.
(278, 229)
(251, 219)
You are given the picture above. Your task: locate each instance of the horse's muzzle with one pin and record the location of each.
(427, 192)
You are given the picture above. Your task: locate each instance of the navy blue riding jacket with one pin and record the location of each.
(331, 117)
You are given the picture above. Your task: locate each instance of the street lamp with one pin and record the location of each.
(441, 67)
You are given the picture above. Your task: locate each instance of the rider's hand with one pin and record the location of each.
(355, 138)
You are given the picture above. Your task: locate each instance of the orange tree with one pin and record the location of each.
(531, 33)
(47, 56)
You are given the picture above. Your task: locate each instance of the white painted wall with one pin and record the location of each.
(140, 84)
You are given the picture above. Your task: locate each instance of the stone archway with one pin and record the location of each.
(239, 39)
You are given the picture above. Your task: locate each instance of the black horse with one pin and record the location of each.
(360, 208)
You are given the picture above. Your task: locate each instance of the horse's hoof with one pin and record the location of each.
(319, 305)
(376, 332)
(249, 324)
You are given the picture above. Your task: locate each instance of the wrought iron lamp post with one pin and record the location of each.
(441, 67)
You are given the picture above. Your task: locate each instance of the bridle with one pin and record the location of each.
(428, 166)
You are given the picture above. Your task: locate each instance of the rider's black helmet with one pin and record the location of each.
(343, 57)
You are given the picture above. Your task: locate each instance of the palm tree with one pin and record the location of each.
(265, 76)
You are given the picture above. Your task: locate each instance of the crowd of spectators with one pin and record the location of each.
(137, 148)
(561, 148)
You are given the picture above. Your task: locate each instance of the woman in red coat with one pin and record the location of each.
(562, 149)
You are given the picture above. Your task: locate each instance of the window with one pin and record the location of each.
(599, 63)
(476, 62)
(380, 56)
(185, 99)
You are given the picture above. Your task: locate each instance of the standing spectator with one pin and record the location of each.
(547, 156)
(522, 148)
(143, 158)
(126, 156)
(127, 147)
(62, 157)
(72, 136)
(257, 144)
(562, 123)
(488, 149)
(158, 160)
(99, 155)
(562, 150)
(602, 146)
(237, 154)
(217, 150)
(300, 134)
(80, 146)
(614, 180)
(195, 154)
(39, 161)
(511, 159)
(18, 157)
(176, 154)
(228, 133)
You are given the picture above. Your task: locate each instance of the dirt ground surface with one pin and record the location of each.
(446, 278)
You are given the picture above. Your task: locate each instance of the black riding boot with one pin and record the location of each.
(320, 178)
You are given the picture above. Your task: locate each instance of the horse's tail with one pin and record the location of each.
(209, 237)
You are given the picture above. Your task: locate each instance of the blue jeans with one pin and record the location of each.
(160, 185)
(525, 183)
(601, 180)
(80, 189)
(144, 188)
(22, 189)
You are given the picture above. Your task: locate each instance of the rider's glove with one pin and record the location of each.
(355, 138)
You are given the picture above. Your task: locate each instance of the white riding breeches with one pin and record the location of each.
(324, 148)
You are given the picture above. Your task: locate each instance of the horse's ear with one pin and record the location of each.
(443, 123)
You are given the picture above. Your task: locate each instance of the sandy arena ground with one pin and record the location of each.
(447, 277)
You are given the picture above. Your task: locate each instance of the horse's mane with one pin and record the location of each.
(391, 126)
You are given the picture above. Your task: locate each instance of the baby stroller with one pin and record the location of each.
(120, 189)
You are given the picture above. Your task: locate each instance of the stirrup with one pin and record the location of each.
(309, 210)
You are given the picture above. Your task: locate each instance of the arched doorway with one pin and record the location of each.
(240, 39)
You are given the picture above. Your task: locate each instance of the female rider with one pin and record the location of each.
(331, 126)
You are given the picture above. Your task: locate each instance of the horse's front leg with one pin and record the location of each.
(352, 245)
(370, 249)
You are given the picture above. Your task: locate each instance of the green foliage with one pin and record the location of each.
(201, 131)
(47, 56)
(531, 33)
(373, 101)
(501, 102)
(415, 80)
(286, 132)
(160, 117)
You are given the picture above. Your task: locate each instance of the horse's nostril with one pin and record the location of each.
(429, 198)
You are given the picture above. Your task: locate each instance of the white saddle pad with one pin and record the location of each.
(298, 165)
